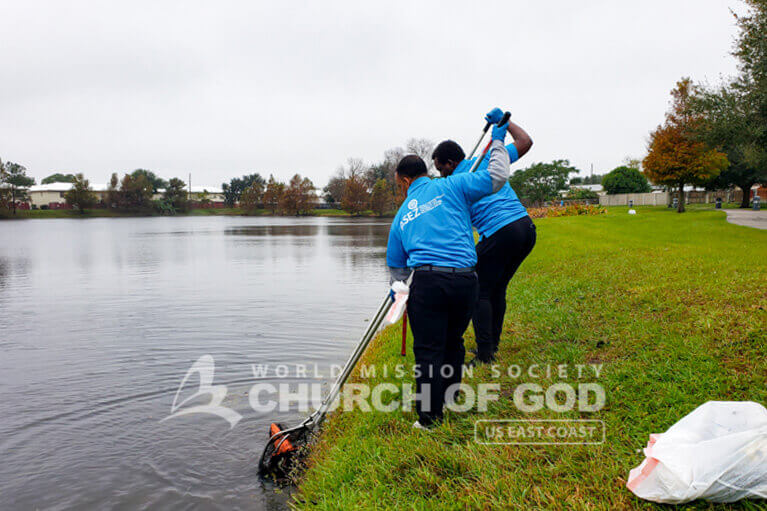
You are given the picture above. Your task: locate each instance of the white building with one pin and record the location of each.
(598, 189)
(214, 193)
(592, 188)
(53, 193)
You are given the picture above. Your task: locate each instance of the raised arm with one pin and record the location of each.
(522, 140)
(499, 162)
(474, 185)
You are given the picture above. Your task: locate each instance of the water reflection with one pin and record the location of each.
(14, 269)
(112, 312)
(5, 271)
(274, 230)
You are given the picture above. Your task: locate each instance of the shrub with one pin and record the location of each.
(625, 180)
(569, 210)
(582, 194)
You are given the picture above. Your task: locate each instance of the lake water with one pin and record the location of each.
(100, 319)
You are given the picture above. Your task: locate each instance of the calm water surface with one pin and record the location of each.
(100, 319)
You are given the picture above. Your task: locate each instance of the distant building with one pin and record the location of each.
(598, 189)
(52, 194)
(214, 193)
(592, 188)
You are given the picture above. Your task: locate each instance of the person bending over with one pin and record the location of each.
(431, 235)
(507, 236)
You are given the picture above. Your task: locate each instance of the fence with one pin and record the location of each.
(640, 199)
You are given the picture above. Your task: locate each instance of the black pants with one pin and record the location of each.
(498, 258)
(439, 308)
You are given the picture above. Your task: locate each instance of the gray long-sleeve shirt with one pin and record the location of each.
(499, 164)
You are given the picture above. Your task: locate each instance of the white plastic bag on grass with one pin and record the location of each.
(718, 453)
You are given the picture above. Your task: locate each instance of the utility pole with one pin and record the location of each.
(190, 186)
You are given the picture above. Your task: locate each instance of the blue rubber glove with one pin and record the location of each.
(499, 132)
(494, 116)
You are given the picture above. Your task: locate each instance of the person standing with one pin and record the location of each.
(507, 236)
(431, 235)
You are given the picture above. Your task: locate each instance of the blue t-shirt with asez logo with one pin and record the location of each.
(433, 225)
(499, 209)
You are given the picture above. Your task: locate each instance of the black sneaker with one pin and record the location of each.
(476, 361)
(417, 425)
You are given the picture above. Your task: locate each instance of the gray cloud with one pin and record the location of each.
(220, 89)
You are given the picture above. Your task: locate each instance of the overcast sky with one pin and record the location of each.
(220, 89)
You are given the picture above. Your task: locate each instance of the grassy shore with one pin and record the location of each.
(672, 306)
(99, 213)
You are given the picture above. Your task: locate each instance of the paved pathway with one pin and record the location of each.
(748, 217)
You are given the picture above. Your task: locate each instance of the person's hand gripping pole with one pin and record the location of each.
(499, 132)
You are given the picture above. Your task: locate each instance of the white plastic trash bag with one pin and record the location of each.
(718, 453)
(401, 292)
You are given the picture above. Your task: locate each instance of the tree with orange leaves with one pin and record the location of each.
(676, 158)
(296, 199)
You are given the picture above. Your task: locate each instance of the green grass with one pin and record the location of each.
(214, 212)
(707, 207)
(672, 305)
(329, 212)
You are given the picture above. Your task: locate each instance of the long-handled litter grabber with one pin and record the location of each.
(481, 157)
(484, 132)
(403, 351)
(283, 443)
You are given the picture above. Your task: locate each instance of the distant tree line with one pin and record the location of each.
(542, 182)
(133, 193)
(253, 193)
(594, 179)
(358, 187)
(58, 178)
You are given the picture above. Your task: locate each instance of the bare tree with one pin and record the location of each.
(354, 167)
(422, 147)
(334, 190)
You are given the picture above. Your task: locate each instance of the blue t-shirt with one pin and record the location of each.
(499, 209)
(433, 225)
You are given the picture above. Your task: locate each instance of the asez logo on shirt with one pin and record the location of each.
(416, 210)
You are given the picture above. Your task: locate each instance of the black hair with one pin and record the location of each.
(411, 166)
(448, 150)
